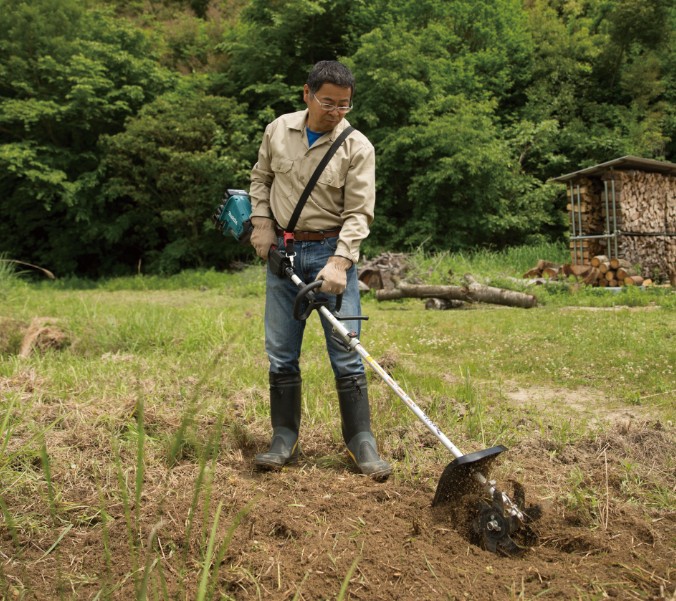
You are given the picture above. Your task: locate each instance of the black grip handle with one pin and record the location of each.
(306, 301)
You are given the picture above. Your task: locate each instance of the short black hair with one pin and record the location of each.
(330, 72)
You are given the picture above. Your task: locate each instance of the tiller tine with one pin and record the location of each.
(494, 524)
(459, 480)
(493, 527)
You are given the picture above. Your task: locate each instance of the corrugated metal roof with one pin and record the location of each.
(627, 162)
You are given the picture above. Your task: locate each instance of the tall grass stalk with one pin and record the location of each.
(204, 580)
(209, 454)
(47, 470)
(475, 408)
(140, 457)
(151, 562)
(124, 493)
(225, 545)
(6, 428)
(346, 580)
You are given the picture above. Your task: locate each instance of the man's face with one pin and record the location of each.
(321, 120)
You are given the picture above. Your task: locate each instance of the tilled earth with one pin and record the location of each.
(318, 530)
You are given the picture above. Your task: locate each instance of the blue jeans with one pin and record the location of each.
(284, 334)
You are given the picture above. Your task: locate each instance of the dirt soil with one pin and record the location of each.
(317, 527)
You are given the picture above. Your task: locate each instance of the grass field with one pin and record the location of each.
(130, 410)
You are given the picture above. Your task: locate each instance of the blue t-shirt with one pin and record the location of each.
(313, 136)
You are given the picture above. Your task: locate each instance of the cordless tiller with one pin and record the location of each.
(497, 516)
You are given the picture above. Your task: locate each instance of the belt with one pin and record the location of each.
(311, 236)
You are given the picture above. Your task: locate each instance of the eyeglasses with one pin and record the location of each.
(332, 107)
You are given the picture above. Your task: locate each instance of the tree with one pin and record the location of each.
(67, 76)
(435, 83)
(273, 46)
(166, 173)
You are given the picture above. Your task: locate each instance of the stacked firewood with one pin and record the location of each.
(601, 271)
(614, 272)
(585, 209)
(639, 206)
(646, 215)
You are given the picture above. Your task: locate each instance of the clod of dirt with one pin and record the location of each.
(43, 334)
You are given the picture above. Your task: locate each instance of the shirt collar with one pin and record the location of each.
(299, 121)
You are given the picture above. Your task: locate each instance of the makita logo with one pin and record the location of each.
(232, 218)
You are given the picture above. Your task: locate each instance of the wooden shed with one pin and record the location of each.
(624, 209)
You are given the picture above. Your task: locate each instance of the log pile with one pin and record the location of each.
(601, 271)
(384, 271)
(643, 215)
(585, 209)
(647, 217)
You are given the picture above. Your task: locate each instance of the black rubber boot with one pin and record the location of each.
(356, 417)
(285, 401)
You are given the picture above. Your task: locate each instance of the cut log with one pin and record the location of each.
(542, 264)
(615, 263)
(551, 272)
(498, 296)
(578, 271)
(623, 273)
(472, 292)
(598, 259)
(372, 278)
(592, 278)
(633, 280)
(443, 304)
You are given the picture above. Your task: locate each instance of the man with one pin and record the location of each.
(328, 234)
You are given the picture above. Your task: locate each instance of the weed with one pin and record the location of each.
(581, 500)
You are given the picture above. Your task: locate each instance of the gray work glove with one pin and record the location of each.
(334, 275)
(263, 236)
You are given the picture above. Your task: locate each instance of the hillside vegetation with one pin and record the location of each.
(122, 123)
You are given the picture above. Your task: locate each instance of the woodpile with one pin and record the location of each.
(601, 271)
(643, 215)
(587, 217)
(647, 218)
(384, 271)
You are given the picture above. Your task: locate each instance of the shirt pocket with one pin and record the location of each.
(332, 177)
(282, 183)
(281, 165)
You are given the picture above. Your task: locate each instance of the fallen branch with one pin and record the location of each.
(471, 292)
(48, 273)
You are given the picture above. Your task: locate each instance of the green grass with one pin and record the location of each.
(450, 267)
(167, 376)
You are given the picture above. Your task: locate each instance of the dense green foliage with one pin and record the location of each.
(121, 123)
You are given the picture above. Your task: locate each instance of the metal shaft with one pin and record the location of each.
(353, 342)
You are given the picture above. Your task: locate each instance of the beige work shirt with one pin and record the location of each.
(344, 195)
